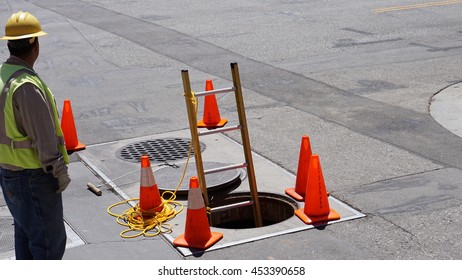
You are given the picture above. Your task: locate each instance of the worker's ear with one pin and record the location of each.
(36, 46)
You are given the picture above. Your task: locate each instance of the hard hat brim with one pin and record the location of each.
(36, 34)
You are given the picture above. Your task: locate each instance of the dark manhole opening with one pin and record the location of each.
(158, 150)
(274, 209)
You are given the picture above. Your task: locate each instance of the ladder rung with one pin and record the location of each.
(231, 206)
(225, 168)
(218, 130)
(215, 91)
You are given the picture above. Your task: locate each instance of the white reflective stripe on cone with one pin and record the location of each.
(147, 177)
(195, 200)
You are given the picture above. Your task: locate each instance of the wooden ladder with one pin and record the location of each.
(190, 99)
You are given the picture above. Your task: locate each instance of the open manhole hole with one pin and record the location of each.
(274, 209)
(158, 150)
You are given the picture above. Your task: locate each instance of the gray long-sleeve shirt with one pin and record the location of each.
(34, 118)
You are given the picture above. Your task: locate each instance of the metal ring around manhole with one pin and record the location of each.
(274, 209)
(158, 150)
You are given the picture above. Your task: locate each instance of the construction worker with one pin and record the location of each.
(33, 158)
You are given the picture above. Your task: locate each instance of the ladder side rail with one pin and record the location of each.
(246, 145)
(191, 107)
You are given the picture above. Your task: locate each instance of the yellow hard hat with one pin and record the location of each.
(22, 25)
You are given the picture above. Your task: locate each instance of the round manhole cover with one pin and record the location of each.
(167, 178)
(158, 150)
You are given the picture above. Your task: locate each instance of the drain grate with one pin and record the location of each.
(158, 150)
(6, 234)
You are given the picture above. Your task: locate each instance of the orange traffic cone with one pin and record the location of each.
(211, 118)
(317, 207)
(298, 193)
(197, 229)
(150, 199)
(68, 128)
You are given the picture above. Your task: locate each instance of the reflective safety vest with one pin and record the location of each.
(15, 148)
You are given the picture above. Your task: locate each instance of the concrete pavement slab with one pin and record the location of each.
(425, 205)
(87, 214)
(270, 179)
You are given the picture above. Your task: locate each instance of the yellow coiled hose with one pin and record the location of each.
(151, 223)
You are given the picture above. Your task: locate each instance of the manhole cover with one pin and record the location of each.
(158, 150)
(167, 178)
(6, 234)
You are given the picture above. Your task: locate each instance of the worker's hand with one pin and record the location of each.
(63, 181)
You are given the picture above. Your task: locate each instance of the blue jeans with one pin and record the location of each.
(39, 231)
